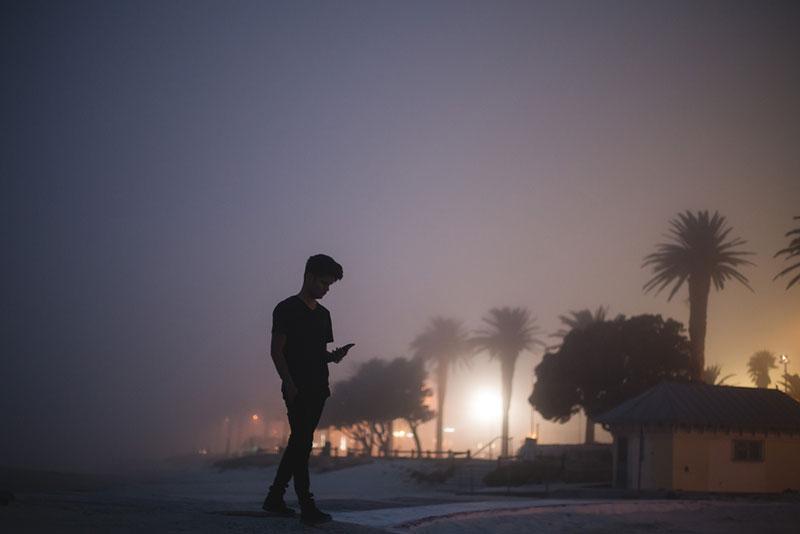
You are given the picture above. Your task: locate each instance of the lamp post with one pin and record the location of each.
(227, 437)
(784, 359)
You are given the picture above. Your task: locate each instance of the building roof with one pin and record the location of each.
(705, 405)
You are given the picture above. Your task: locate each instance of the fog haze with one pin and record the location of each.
(173, 166)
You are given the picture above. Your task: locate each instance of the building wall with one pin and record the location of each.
(691, 459)
(782, 457)
(703, 461)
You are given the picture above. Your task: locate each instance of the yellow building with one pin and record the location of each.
(699, 437)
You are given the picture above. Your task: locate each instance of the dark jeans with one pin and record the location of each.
(304, 414)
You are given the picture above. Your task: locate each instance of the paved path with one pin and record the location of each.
(398, 519)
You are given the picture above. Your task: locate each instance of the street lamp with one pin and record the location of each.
(227, 436)
(784, 359)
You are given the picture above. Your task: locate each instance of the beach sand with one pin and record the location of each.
(374, 497)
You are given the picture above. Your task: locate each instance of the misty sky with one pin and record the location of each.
(169, 166)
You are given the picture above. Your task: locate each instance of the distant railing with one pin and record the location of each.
(491, 443)
(394, 453)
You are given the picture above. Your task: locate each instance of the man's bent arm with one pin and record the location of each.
(278, 358)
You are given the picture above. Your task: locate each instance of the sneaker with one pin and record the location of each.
(276, 505)
(309, 513)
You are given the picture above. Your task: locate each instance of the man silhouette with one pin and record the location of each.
(301, 330)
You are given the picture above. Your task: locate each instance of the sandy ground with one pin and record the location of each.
(376, 497)
(200, 500)
(52, 514)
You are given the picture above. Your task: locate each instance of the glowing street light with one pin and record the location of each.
(487, 405)
(254, 417)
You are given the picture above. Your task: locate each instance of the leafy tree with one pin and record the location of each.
(350, 410)
(699, 254)
(511, 331)
(442, 344)
(364, 406)
(711, 375)
(606, 363)
(792, 251)
(758, 368)
(407, 387)
(792, 385)
(579, 320)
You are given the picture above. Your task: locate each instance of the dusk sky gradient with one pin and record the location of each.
(169, 166)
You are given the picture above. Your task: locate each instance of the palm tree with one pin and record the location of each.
(443, 343)
(698, 254)
(511, 331)
(758, 367)
(580, 319)
(577, 320)
(792, 251)
(711, 375)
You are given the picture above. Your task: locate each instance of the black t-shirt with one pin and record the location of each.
(307, 333)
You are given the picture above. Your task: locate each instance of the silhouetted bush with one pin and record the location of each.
(517, 473)
(437, 475)
(579, 465)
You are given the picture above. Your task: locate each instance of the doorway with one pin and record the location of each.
(621, 476)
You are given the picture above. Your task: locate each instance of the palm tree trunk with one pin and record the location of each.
(589, 429)
(441, 390)
(507, 372)
(698, 311)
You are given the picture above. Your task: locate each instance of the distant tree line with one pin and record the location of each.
(364, 406)
(596, 364)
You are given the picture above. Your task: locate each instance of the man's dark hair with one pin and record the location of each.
(322, 265)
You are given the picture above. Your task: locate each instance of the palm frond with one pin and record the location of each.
(699, 248)
(711, 375)
(580, 319)
(759, 365)
(791, 251)
(443, 343)
(511, 331)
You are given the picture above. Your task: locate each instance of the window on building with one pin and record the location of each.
(745, 450)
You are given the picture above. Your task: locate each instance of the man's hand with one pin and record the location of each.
(290, 391)
(341, 352)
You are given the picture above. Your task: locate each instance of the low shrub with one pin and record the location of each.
(437, 475)
(517, 473)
